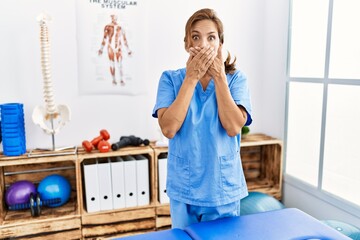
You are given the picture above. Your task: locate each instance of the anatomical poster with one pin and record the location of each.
(111, 44)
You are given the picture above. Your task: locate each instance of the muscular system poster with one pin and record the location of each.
(111, 43)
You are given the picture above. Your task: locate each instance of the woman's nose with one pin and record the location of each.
(203, 43)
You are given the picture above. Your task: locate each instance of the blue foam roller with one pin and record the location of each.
(257, 202)
(10, 118)
(13, 129)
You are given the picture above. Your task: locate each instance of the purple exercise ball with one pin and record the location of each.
(19, 192)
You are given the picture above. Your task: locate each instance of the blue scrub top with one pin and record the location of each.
(204, 166)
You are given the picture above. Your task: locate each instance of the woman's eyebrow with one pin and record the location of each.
(209, 33)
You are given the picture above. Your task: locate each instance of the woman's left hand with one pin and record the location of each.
(217, 68)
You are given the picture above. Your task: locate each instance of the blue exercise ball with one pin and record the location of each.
(54, 186)
(355, 236)
(345, 228)
(257, 202)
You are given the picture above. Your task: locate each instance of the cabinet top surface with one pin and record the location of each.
(60, 156)
(254, 139)
(246, 141)
(258, 139)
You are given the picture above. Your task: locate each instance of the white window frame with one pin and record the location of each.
(317, 191)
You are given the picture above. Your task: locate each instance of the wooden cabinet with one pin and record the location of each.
(72, 221)
(163, 220)
(262, 163)
(121, 221)
(54, 223)
(261, 158)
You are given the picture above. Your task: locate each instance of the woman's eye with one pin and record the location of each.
(211, 38)
(195, 37)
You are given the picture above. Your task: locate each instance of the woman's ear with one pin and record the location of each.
(219, 52)
(186, 46)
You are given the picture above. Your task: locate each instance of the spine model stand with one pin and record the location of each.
(53, 117)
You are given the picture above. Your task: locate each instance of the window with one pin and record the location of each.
(323, 99)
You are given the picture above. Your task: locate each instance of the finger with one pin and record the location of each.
(203, 59)
(209, 60)
(193, 51)
(198, 49)
(200, 54)
(212, 55)
(207, 54)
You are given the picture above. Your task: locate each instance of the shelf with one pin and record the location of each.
(24, 159)
(121, 152)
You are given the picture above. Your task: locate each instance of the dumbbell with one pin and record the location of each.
(104, 135)
(129, 141)
(35, 204)
(103, 146)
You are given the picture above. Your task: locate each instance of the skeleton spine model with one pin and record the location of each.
(45, 117)
(46, 68)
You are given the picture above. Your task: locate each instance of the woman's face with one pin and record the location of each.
(204, 33)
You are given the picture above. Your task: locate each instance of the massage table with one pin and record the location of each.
(283, 224)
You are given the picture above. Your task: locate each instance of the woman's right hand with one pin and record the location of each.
(199, 61)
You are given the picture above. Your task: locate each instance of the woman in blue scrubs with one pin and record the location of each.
(201, 109)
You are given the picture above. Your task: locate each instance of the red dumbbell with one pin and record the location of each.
(89, 146)
(103, 146)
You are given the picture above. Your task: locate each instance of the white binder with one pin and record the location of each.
(142, 180)
(162, 171)
(130, 181)
(118, 182)
(91, 186)
(105, 188)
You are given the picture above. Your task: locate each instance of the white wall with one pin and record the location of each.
(21, 79)
(273, 89)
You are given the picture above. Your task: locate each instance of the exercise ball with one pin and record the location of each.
(54, 186)
(259, 202)
(345, 228)
(355, 236)
(19, 192)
